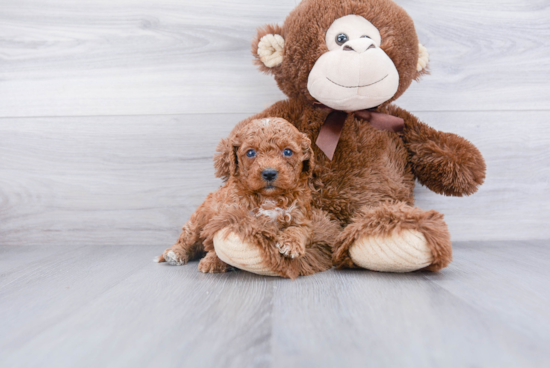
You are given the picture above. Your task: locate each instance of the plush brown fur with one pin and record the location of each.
(388, 218)
(304, 236)
(370, 168)
(304, 33)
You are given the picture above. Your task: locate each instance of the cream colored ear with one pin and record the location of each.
(270, 50)
(423, 58)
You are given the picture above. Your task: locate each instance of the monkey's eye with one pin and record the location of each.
(365, 36)
(251, 153)
(341, 39)
(287, 152)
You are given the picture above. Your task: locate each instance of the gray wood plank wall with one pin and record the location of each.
(110, 111)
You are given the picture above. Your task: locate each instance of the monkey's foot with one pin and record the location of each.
(403, 252)
(394, 238)
(243, 255)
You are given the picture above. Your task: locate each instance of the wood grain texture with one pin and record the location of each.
(136, 180)
(135, 57)
(110, 306)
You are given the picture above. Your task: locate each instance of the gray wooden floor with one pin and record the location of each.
(110, 306)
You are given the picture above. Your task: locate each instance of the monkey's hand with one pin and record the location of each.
(444, 162)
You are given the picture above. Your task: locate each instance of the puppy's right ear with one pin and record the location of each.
(268, 48)
(307, 152)
(226, 162)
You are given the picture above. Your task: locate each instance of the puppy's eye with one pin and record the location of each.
(251, 153)
(287, 152)
(341, 39)
(365, 36)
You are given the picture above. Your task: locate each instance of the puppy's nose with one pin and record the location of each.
(269, 174)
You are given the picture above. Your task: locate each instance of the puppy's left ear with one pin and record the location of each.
(226, 162)
(307, 152)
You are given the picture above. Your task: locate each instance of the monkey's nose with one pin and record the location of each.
(269, 174)
(360, 45)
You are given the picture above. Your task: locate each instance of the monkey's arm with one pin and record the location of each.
(444, 162)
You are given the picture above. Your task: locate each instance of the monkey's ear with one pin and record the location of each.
(308, 161)
(268, 47)
(423, 59)
(226, 162)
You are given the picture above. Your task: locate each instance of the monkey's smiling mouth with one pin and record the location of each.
(366, 85)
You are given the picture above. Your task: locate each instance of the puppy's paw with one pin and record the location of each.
(212, 265)
(291, 249)
(175, 257)
(159, 259)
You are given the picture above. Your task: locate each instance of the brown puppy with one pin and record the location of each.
(261, 219)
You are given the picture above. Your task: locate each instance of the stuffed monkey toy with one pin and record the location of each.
(342, 64)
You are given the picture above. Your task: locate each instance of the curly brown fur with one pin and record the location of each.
(212, 264)
(391, 218)
(369, 167)
(274, 215)
(266, 234)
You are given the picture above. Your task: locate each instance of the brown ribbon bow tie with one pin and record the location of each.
(330, 132)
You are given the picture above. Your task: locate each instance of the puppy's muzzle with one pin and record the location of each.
(269, 174)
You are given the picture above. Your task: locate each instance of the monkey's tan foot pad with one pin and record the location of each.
(240, 254)
(405, 251)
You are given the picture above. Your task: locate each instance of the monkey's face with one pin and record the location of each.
(355, 73)
(348, 55)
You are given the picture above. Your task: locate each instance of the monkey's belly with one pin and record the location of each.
(240, 254)
(404, 252)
